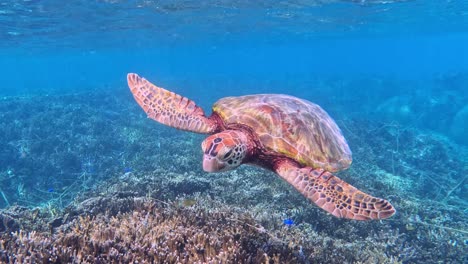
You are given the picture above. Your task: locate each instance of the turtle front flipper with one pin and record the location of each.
(169, 108)
(333, 194)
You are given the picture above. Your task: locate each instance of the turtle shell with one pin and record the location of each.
(290, 126)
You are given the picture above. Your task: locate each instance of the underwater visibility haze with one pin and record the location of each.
(371, 94)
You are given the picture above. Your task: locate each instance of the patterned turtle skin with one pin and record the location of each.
(290, 126)
(292, 137)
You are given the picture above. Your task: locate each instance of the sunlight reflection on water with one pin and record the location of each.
(70, 23)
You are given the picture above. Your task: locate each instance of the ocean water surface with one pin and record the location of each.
(77, 152)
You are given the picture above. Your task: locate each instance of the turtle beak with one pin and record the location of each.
(211, 164)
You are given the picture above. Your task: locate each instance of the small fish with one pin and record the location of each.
(288, 222)
(51, 190)
(128, 169)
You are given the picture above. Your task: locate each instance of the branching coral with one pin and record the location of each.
(152, 233)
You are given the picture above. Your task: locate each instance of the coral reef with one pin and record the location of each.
(54, 147)
(153, 232)
(116, 187)
(127, 220)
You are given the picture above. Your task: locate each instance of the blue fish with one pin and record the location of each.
(288, 222)
(51, 190)
(127, 170)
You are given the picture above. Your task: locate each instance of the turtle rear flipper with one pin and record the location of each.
(169, 108)
(333, 194)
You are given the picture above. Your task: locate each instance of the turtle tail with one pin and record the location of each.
(169, 108)
(333, 194)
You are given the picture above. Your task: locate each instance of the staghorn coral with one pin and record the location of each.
(196, 228)
(152, 233)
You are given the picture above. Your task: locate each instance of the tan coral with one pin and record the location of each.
(153, 233)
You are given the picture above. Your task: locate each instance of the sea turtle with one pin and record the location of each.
(290, 136)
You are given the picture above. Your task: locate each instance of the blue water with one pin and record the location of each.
(216, 48)
(397, 64)
(47, 45)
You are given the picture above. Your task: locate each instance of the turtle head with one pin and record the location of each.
(224, 151)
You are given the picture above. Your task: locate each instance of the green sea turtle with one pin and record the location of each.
(292, 137)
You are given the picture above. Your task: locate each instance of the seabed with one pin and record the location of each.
(87, 178)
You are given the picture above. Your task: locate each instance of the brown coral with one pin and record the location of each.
(152, 233)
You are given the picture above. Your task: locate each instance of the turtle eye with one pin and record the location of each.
(228, 154)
